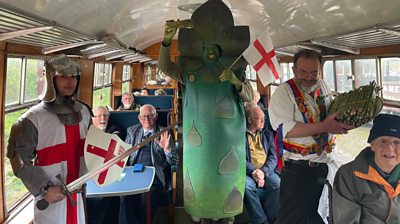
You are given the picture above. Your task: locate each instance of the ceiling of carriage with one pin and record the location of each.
(333, 26)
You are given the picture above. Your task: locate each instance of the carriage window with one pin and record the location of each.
(251, 75)
(287, 71)
(344, 76)
(33, 79)
(126, 78)
(329, 75)
(102, 84)
(24, 85)
(390, 71)
(152, 75)
(24, 80)
(364, 71)
(14, 71)
(15, 190)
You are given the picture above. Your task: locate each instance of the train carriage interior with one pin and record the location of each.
(117, 45)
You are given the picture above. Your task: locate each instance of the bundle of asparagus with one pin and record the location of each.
(357, 107)
(179, 24)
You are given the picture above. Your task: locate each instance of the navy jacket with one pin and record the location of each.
(268, 144)
(161, 162)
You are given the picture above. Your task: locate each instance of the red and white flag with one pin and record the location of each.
(261, 56)
(101, 147)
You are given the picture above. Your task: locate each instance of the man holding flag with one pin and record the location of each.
(298, 112)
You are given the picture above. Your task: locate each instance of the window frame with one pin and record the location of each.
(21, 104)
(108, 82)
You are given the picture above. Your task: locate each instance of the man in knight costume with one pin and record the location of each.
(48, 140)
(213, 118)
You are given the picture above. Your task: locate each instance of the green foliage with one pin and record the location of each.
(15, 189)
(125, 87)
(14, 66)
(102, 97)
(33, 73)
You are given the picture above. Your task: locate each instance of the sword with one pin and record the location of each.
(76, 184)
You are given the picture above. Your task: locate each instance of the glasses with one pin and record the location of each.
(148, 116)
(258, 118)
(102, 115)
(305, 73)
(383, 143)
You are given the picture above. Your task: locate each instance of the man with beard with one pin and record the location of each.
(100, 121)
(298, 112)
(106, 209)
(49, 140)
(128, 102)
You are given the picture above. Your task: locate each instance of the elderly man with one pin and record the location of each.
(103, 210)
(48, 140)
(261, 196)
(128, 102)
(367, 189)
(144, 92)
(297, 111)
(157, 153)
(100, 121)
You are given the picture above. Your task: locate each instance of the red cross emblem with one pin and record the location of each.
(265, 59)
(107, 155)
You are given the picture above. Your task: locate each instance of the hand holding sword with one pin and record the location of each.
(69, 189)
(55, 194)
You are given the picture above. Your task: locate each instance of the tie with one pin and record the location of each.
(147, 135)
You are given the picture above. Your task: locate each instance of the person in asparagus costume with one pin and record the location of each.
(214, 88)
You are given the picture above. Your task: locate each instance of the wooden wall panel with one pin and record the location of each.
(23, 49)
(138, 76)
(85, 93)
(3, 63)
(154, 50)
(117, 85)
(3, 45)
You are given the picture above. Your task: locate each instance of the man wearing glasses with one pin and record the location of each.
(298, 113)
(158, 154)
(103, 210)
(367, 189)
(100, 121)
(261, 196)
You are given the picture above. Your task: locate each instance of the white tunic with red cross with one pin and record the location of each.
(60, 151)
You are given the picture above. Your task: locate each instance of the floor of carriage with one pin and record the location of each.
(181, 217)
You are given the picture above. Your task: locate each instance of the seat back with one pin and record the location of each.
(170, 92)
(159, 102)
(125, 119)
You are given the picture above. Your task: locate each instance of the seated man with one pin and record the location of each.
(167, 80)
(128, 103)
(366, 190)
(160, 92)
(158, 153)
(103, 210)
(100, 121)
(261, 196)
(144, 92)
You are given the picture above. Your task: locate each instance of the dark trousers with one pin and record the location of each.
(301, 188)
(133, 207)
(262, 204)
(102, 210)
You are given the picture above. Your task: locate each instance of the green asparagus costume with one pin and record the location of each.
(213, 117)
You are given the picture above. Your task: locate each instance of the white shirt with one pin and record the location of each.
(283, 110)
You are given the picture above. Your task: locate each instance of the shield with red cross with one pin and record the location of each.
(100, 147)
